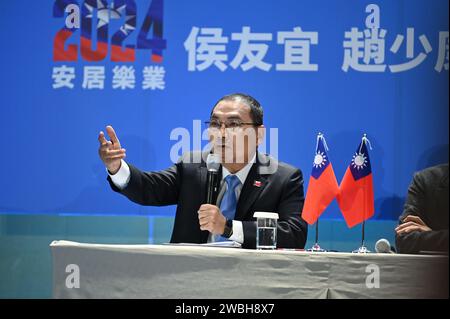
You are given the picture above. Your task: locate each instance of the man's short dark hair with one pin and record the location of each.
(256, 111)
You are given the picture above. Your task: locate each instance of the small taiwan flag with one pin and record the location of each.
(356, 199)
(322, 187)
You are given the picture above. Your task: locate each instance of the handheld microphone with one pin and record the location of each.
(384, 247)
(212, 178)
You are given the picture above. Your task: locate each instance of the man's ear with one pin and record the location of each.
(261, 132)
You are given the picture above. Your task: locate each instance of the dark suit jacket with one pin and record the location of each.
(428, 199)
(281, 191)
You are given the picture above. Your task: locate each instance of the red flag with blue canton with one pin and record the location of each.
(356, 199)
(322, 187)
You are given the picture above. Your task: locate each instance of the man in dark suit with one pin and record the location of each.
(251, 181)
(424, 222)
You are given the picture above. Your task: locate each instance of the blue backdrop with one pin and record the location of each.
(62, 83)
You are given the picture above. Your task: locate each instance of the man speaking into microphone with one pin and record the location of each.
(216, 196)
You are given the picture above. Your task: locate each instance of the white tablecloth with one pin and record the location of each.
(185, 271)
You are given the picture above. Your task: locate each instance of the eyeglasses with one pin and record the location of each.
(231, 124)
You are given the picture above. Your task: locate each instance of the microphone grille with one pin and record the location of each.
(213, 162)
(382, 246)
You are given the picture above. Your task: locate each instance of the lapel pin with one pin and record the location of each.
(257, 183)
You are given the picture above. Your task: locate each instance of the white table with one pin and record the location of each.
(184, 271)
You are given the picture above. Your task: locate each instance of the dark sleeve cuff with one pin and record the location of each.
(249, 228)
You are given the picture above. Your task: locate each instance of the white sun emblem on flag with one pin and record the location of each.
(102, 13)
(320, 159)
(359, 161)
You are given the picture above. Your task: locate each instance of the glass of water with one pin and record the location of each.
(266, 230)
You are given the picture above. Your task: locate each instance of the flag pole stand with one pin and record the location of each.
(316, 247)
(362, 249)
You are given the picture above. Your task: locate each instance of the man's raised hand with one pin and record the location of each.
(110, 152)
